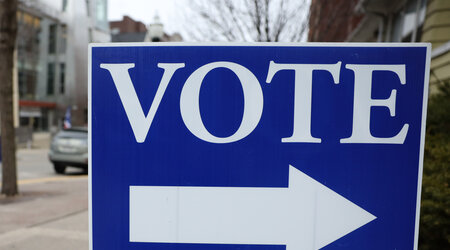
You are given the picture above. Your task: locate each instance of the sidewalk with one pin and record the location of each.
(50, 213)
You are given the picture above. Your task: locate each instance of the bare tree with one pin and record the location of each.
(8, 33)
(248, 20)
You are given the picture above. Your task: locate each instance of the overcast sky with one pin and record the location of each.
(169, 11)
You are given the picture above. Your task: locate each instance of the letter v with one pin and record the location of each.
(140, 124)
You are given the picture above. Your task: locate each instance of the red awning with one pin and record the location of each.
(40, 104)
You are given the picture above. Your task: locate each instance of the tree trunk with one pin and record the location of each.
(8, 32)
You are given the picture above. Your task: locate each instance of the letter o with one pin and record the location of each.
(190, 102)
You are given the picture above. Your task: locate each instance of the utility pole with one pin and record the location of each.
(8, 34)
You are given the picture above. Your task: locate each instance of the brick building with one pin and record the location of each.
(332, 22)
(127, 25)
(130, 30)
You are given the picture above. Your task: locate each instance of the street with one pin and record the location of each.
(33, 163)
(51, 211)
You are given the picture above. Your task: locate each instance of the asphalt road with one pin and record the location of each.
(34, 163)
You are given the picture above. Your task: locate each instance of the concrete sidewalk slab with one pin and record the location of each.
(69, 232)
(49, 214)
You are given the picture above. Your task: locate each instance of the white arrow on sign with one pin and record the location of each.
(306, 215)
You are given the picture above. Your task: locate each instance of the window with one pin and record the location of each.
(85, 111)
(101, 14)
(63, 44)
(22, 84)
(62, 78)
(52, 39)
(408, 23)
(27, 82)
(64, 5)
(88, 8)
(50, 78)
(115, 31)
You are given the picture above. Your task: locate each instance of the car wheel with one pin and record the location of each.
(59, 168)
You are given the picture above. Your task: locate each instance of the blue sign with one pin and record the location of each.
(256, 146)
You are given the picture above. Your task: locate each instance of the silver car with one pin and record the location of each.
(69, 147)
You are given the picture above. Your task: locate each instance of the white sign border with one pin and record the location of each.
(266, 44)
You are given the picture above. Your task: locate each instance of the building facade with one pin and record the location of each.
(51, 61)
(387, 21)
